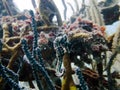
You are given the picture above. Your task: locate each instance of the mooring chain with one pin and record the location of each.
(37, 67)
(83, 84)
(6, 73)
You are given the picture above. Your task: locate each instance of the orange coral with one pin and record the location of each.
(103, 28)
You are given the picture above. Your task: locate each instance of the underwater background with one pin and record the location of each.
(59, 44)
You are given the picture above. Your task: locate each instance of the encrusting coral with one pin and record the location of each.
(7, 48)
